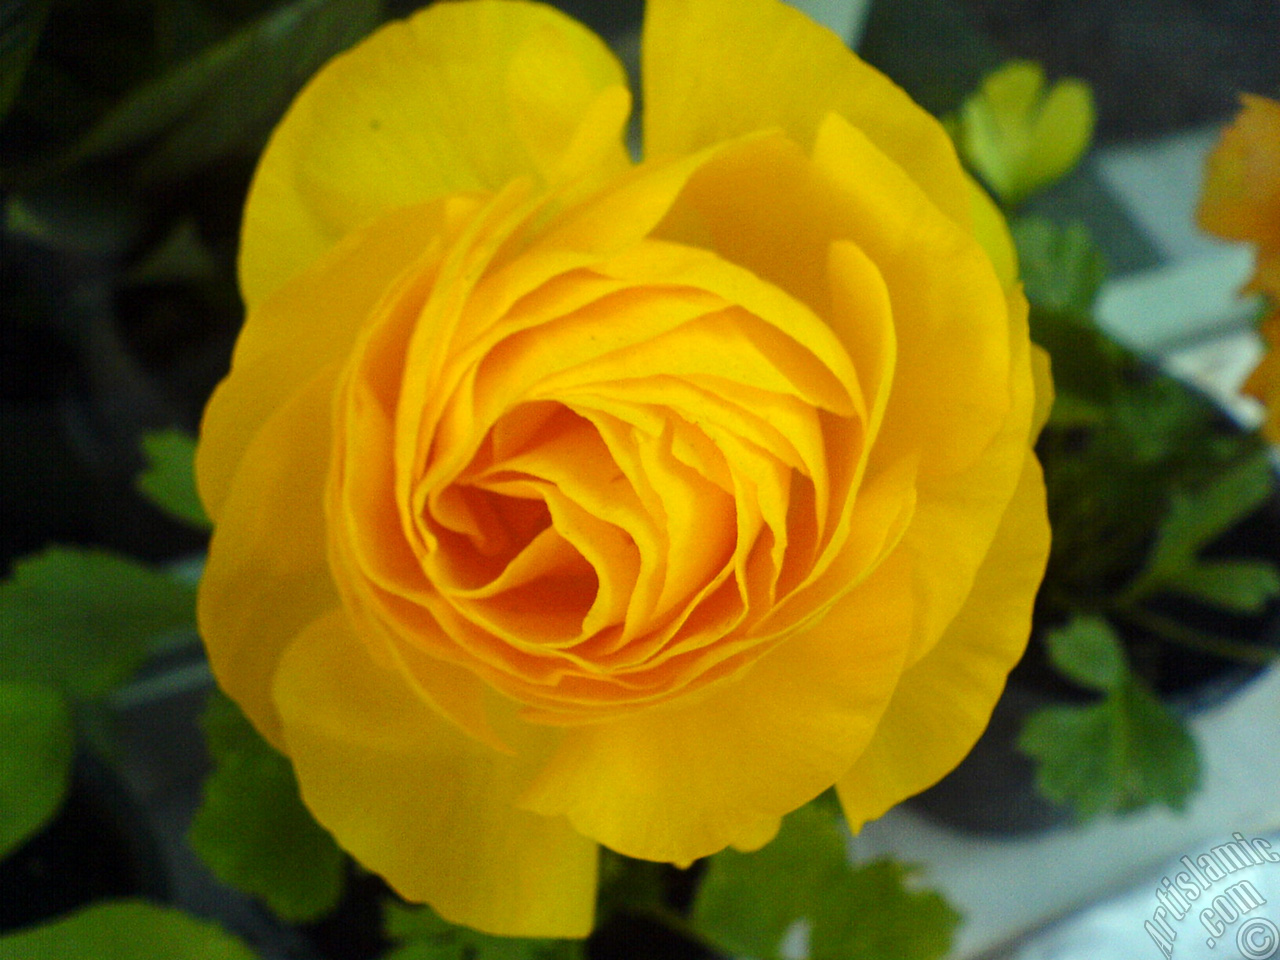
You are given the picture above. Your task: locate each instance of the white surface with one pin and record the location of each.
(1006, 889)
(1194, 295)
(1117, 929)
(1159, 182)
(1218, 368)
(1188, 300)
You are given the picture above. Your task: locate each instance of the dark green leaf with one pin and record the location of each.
(874, 913)
(1195, 520)
(252, 828)
(1087, 365)
(1070, 411)
(961, 52)
(185, 27)
(84, 620)
(182, 257)
(169, 479)
(749, 901)
(124, 930)
(36, 748)
(423, 935)
(1088, 651)
(21, 22)
(228, 97)
(1061, 266)
(1242, 586)
(1120, 754)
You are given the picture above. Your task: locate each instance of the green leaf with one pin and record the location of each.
(124, 930)
(1088, 366)
(252, 828)
(84, 620)
(1121, 754)
(1088, 651)
(169, 478)
(37, 745)
(21, 23)
(1243, 586)
(890, 918)
(228, 97)
(1061, 265)
(748, 901)
(1195, 520)
(423, 935)
(1072, 412)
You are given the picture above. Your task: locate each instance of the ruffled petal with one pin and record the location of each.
(958, 515)
(461, 97)
(943, 702)
(267, 577)
(428, 808)
(718, 69)
(680, 783)
(304, 326)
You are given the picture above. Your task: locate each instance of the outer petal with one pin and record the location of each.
(425, 806)
(716, 69)
(991, 230)
(680, 783)
(958, 516)
(266, 577)
(303, 327)
(461, 97)
(943, 702)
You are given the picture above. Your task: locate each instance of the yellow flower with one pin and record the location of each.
(1241, 201)
(1264, 382)
(564, 501)
(1019, 137)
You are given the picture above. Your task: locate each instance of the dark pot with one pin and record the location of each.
(993, 791)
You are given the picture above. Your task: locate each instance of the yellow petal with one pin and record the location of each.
(679, 783)
(951, 381)
(1264, 381)
(992, 231)
(943, 703)
(759, 836)
(958, 515)
(444, 830)
(304, 326)
(718, 69)
(1042, 376)
(1241, 198)
(461, 97)
(267, 576)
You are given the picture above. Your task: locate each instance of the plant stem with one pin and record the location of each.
(1194, 639)
(676, 923)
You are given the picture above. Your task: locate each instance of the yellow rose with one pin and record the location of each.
(564, 501)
